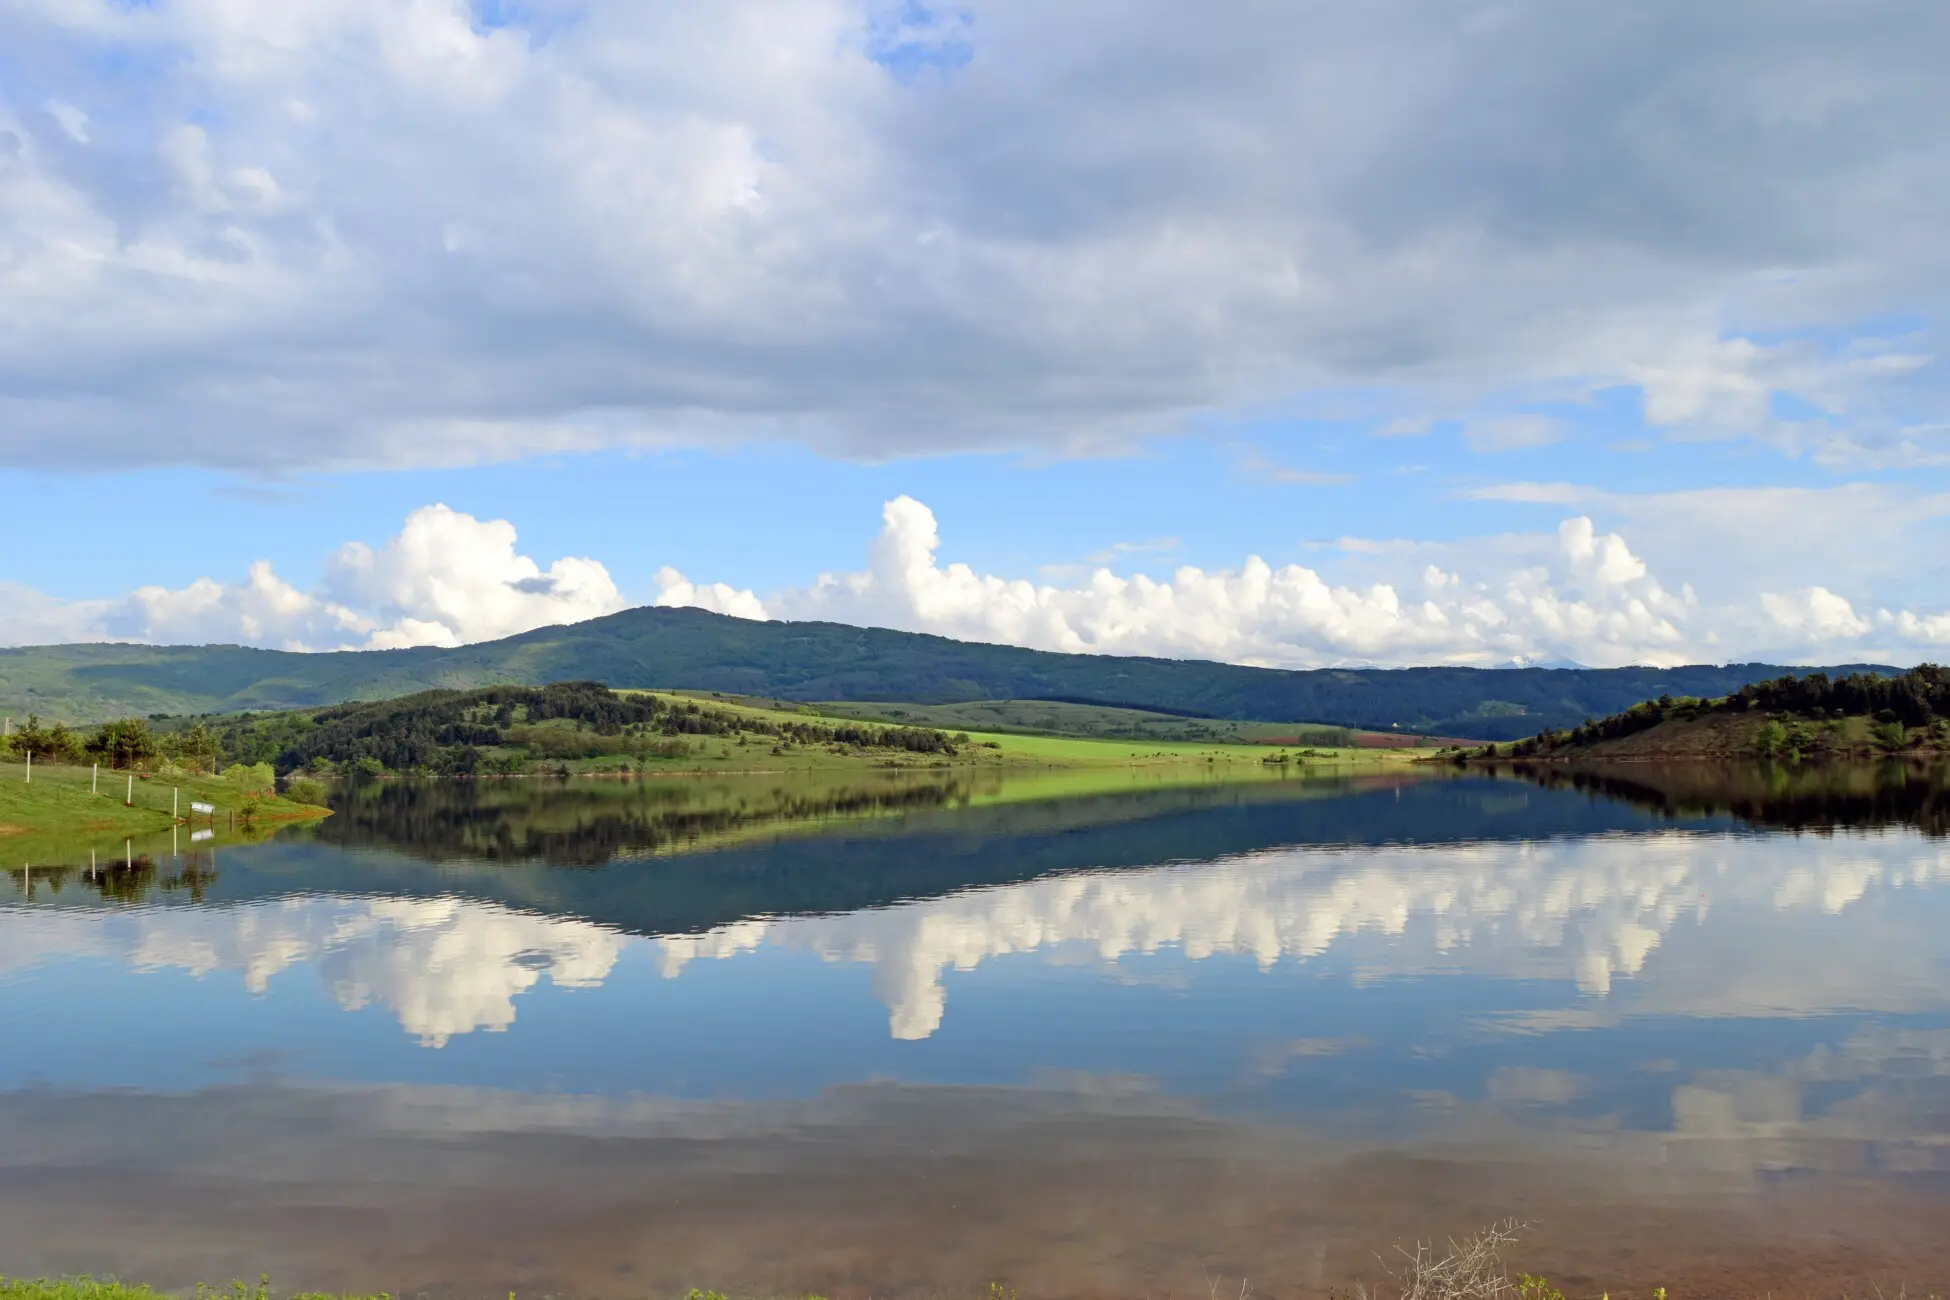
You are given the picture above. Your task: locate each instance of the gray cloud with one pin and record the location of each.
(359, 233)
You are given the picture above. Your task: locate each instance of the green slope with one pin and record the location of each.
(828, 661)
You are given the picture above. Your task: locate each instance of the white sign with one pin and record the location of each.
(200, 835)
(203, 807)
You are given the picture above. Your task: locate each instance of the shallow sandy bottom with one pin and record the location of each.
(895, 1190)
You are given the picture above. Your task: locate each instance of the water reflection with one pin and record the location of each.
(1833, 796)
(1582, 912)
(622, 1039)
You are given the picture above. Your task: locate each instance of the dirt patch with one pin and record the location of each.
(8, 828)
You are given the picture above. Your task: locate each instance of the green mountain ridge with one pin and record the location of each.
(694, 650)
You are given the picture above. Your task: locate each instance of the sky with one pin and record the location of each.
(1444, 331)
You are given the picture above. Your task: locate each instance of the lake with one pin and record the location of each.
(914, 1037)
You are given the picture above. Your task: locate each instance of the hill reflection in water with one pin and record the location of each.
(1363, 1004)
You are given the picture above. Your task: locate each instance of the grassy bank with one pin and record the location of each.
(79, 803)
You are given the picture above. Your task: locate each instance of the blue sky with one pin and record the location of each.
(1496, 336)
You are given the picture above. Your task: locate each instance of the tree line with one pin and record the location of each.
(1897, 704)
(447, 730)
(127, 743)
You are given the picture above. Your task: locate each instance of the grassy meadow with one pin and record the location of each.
(59, 812)
(1238, 752)
(1084, 721)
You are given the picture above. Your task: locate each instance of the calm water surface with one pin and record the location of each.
(908, 1038)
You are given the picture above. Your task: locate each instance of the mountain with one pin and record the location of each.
(691, 649)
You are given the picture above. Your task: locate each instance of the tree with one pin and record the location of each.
(55, 744)
(126, 743)
(1770, 739)
(199, 745)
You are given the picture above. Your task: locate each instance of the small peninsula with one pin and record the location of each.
(1794, 718)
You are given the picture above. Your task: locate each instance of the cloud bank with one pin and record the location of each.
(1576, 594)
(362, 232)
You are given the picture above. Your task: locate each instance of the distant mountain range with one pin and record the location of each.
(692, 649)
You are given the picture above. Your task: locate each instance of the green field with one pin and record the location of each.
(1062, 718)
(577, 728)
(58, 813)
(1011, 749)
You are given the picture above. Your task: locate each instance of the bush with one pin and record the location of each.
(306, 789)
(256, 778)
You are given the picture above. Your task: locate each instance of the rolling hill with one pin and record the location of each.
(692, 649)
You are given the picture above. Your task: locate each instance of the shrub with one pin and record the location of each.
(252, 779)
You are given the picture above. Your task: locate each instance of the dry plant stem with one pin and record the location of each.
(1471, 1269)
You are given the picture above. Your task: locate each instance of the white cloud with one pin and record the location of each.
(395, 235)
(1814, 613)
(1878, 543)
(1583, 596)
(446, 579)
(449, 578)
(1576, 593)
(675, 590)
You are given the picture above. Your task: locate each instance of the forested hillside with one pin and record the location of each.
(511, 728)
(1799, 715)
(691, 649)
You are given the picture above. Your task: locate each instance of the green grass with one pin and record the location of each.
(1090, 721)
(985, 749)
(59, 802)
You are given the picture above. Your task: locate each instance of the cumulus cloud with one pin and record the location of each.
(1578, 593)
(365, 232)
(446, 579)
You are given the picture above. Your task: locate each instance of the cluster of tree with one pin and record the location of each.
(448, 731)
(1895, 703)
(1916, 698)
(123, 743)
